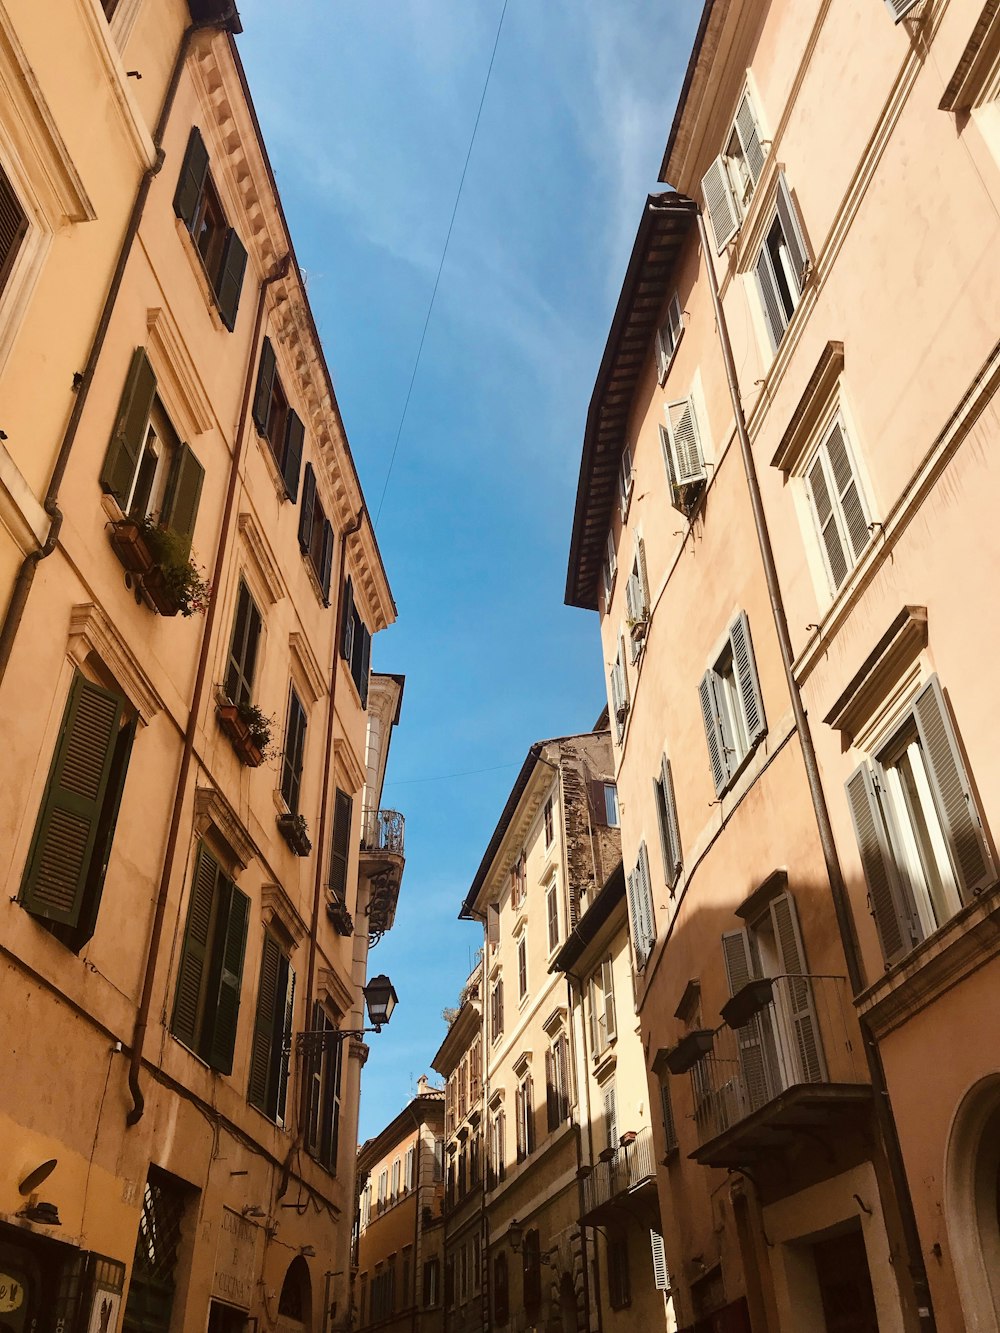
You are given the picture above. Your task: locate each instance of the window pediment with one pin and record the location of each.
(90, 631)
(887, 667)
(211, 808)
(280, 914)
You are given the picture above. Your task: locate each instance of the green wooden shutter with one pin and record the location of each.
(364, 666)
(129, 434)
(896, 924)
(295, 434)
(180, 505)
(347, 621)
(956, 805)
(326, 560)
(230, 280)
(242, 662)
(746, 678)
(191, 181)
(106, 832)
(66, 834)
(307, 509)
(717, 752)
(193, 971)
(295, 740)
(343, 810)
(230, 948)
(282, 1057)
(330, 1136)
(265, 385)
(263, 1028)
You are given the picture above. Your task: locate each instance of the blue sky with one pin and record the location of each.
(367, 109)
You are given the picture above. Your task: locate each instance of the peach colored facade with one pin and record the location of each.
(187, 909)
(804, 747)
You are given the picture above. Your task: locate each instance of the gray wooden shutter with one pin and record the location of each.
(801, 1001)
(721, 206)
(230, 281)
(848, 491)
(749, 136)
(66, 834)
(191, 181)
(896, 923)
(774, 311)
(129, 434)
(746, 678)
(294, 442)
(192, 973)
(347, 621)
(105, 832)
(598, 805)
(265, 386)
(230, 946)
(826, 521)
(646, 893)
(340, 849)
(717, 752)
(670, 828)
(180, 505)
(739, 970)
(661, 1277)
(900, 8)
(638, 943)
(307, 509)
(956, 805)
(794, 236)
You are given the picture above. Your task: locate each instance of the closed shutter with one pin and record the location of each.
(105, 833)
(326, 560)
(291, 761)
(230, 946)
(640, 559)
(794, 238)
(746, 678)
(347, 621)
(561, 1057)
(340, 848)
(634, 911)
(364, 665)
(180, 506)
(273, 980)
(500, 1005)
(265, 386)
(848, 491)
(551, 1094)
(685, 457)
(667, 1108)
(888, 899)
(749, 136)
(670, 835)
(191, 181)
(802, 1016)
(230, 283)
(956, 805)
(720, 204)
(129, 434)
(717, 752)
(192, 973)
(661, 1277)
(67, 833)
(645, 894)
(332, 1069)
(285, 1015)
(826, 521)
(291, 467)
(774, 310)
(13, 228)
(900, 8)
(501, 1306)
(307, 509)
(243, 650)
(750, 1038)
(611, 1116)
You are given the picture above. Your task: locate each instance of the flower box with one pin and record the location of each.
(343, 922)
(295, 831)
(239, 735)
(689, 1050)
(130, 546)
(748, 1001)
(160, 593)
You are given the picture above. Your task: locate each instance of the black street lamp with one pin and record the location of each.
(381, 999)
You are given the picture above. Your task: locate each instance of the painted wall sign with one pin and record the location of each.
(236, 1259)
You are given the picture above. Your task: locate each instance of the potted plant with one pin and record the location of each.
(637, 626)
(128, 540)
(295, 831)
(343, 922)
(174, 583)
(748, 1001)
(248, 728)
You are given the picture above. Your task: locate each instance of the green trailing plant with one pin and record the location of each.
(184, 581)
(259, 726)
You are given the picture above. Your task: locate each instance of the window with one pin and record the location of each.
(384, 1291)
(463, 1274)
(476, 1072)
(557, 1083)
(146, 468)
(477, 1263)
(640, 906)
(366, 1205)
(549, 820)
(666, 818)
(531, 1273)
(277, 421)
(619, 1285)
(493, 926)
(497, 1148)
(210, 975)
(609, 569)
(668, 337)
(409, 1179)
(919, 827)
(637, 599)
(837, 505)
(496, 1009)
(272, 1032)
(323, 1074)
(243, 646)
(522, 967)
(552, 913)
(438, 1159)
(197, 204)
(732, 177)
(525, 1112)
(501, 1302)
(405, 1275)
(610, 804)
(396, 1165)
(316, 534)
(355, 643)
(432, 1280)
(731, 705)
(66, 867)
(603, 1028)
(667, 1112)
(625, 479)
(683, 457)
(782, 266)
(619, 691)
(900, 8)
(340, 844)
(518, 882)
(152, 1284)
(610, 1115)
(291, 759)
(13, 228)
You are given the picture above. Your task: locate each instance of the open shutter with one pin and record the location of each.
(128, 436)
(686, 462)
(826, 521)
(608, 994)
(900, 8)
(794, 237)
(638, 945)
(343, 808)
(668, 336)
(230, 943)
(67, 833)
(230, 284)
(749, 136)
(287, 1014)
(551, 1094)
(307, 509)
(263, 1028)
(667, 1108)
(895, 922)
(848, 491)
(106, 831)
(956, 806)
(265, 386)
(191, 181)
(640, 559)
(721, 206)
(326, 560)
(180, 507)
(347, 621)
(774, 311)
(750, 1039)
(661, 1277)
(191, 975)
(802, 1016)
(365, 664)
(746, 677)
(669, 827)
(598, 805)
(646, 897)
(292, 466)
(717, 752)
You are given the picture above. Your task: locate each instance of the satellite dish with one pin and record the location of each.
(34, 1178)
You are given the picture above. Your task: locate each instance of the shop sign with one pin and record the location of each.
(236, 1259)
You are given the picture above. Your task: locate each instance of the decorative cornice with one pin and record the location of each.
(176, 368)
(262, 557)
(211, 807)
(811, 406)
(896, 650)
(335, 990)
(555, 1020)
(358, 1050)
(90, 631)
(308, 664)
(278, 909)
(348, 761)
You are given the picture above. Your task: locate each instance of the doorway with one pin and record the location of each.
(845, 1283)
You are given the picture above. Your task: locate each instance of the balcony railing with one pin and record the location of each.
(382, 862)
(770, 1045)
(632, 1166)
(382, 831)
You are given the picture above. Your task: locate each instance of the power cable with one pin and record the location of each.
(446, 777)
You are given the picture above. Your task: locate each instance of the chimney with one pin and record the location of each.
(423, 1087)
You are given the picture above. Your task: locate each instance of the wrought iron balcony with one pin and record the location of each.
(767, 1081)
(381, 862)
(629, 1171)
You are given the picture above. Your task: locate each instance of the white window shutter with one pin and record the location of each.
(663, 353)
(849, 496)
(900, 8)
(672, 855)
(826, 520)
(686, 461)
(675, 319)
(608, 987)
(895, 921)
(632, 607)
(746, 677)
(774, 311)
(749, 136)
(640, 560)
(646, 899)
(720, 204)
(660, 1275)
(740, 968)
(638, 942)
(784, 919)
(717, 752)
(792, 227)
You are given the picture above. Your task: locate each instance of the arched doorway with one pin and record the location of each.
(972, 1204)
(295, 1301)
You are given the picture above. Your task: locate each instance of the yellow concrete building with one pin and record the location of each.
(194, 747)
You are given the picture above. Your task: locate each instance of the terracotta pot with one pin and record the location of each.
(130, 547)
(155, 587)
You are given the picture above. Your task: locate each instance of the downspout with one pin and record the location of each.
(416, 1215)
(838, 890)
(575, 983)
(160, 908)
(26, 574)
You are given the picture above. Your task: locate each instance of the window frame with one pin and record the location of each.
(552, 915)
(847, 538)
(769, 279)
(293, 750)
(223, 257)
(732, 706)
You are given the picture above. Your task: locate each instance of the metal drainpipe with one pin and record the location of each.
(838, 890)
(160, 907)
(26, 574)
(572, 980)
